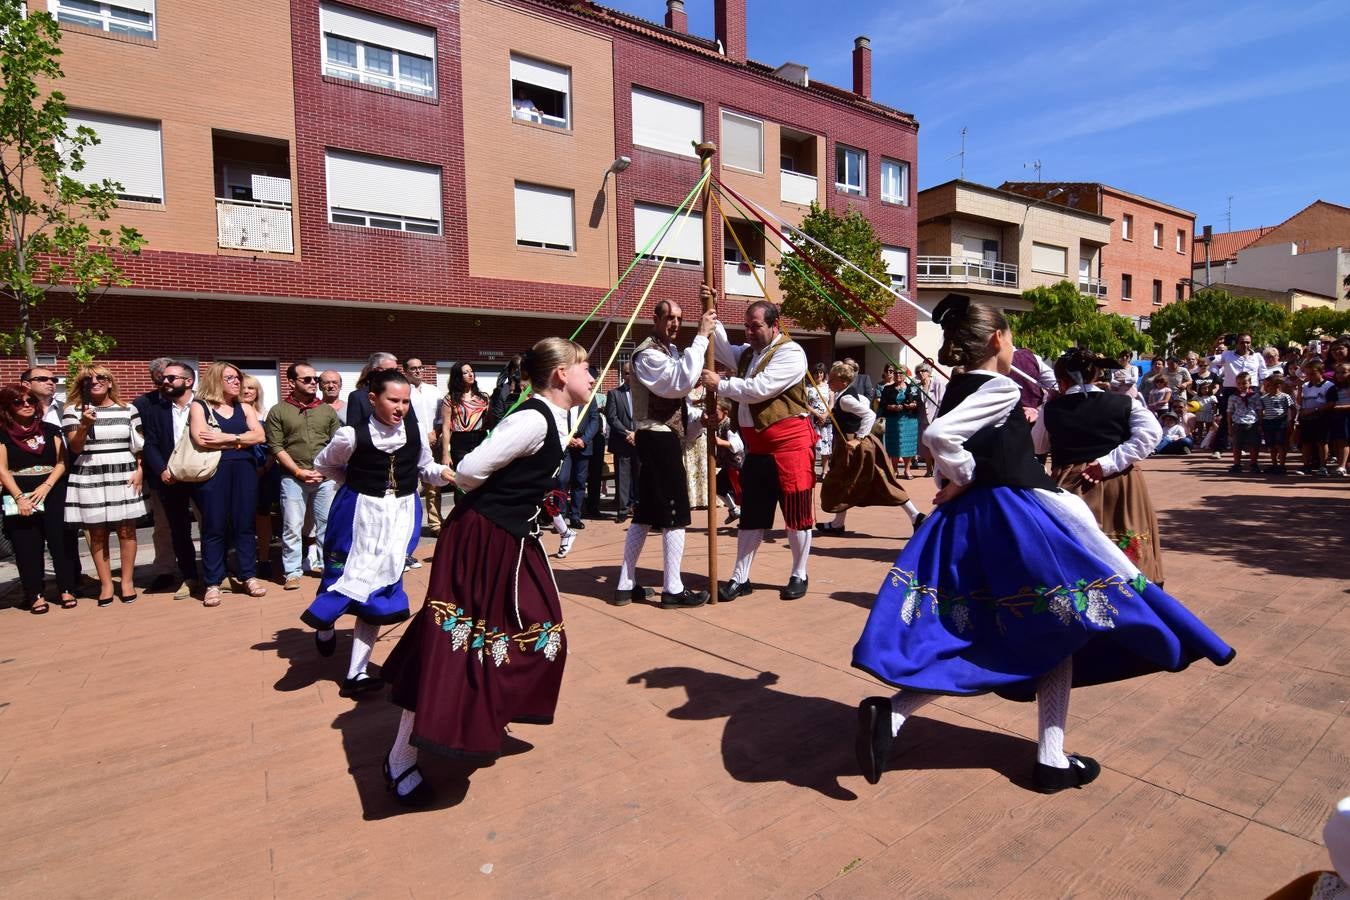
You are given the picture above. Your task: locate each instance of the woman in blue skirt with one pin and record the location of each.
(1011, 586)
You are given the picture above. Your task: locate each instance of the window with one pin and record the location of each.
(544, 217)
(1157, 235)
(742, 142)
(131, 17)
(1049, 259)
(540, 92)
(1126, 287)
(897, 264)
(894, 181)
(679, 245)
(850, 170)
(1181, 241)
(1181, 292)
(1127, 227)
(129, 152)
(1157, 292)
(375, 50)
(666, 123)
(383, 193)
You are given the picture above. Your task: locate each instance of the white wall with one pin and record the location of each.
(1280, 267)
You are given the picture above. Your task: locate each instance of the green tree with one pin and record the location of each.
(1306, 324)
(1196, 323)
(46, 236)
(1061, 317)
(851, 236)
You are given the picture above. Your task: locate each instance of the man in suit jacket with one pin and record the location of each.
(164, 418)
(576, 464)
(623, 443)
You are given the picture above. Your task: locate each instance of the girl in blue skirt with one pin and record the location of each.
(1010, 586)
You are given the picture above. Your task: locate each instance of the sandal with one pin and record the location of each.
(38, 607)
(255, 587)
(212, 596)
(69, 601)
(418, 796)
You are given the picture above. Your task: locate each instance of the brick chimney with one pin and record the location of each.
(676, 20)
(729, 17)
(862, 67)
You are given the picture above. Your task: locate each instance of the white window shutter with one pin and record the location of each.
(545, 215)
(679, 243)
(368, 28)
(129, 152)
(371, 184)
(1048, 258)
(897, 262)
(742, 142)
(665, 123)
(540, 74)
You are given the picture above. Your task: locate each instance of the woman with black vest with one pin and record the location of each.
(1094, 438)
(1010, 587)
(373, 524)
(488, 647)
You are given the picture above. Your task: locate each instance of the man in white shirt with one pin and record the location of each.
(769, 389)
(662, 378)
(426, 404)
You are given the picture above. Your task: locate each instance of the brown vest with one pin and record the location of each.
(648, 407)
(792, 402)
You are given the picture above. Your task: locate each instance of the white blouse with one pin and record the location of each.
(1145, 433)
(515, 436)
(856, 405)
(946, 436)
(786, 368)
(332, 459)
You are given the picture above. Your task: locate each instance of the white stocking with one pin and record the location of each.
(325, 634)
(363, 641)
(560, 524)
(800, 542)
(839, 518)
(403, 755)
(747, 542)
(1052, 712)
(672, 548)
(632, 549)
(905, 704)
(911, 509)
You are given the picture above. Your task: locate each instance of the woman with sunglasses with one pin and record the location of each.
(32, 462)
(105, 437)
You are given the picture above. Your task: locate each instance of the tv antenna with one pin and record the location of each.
(1034, 164)
(1229, 214)
(962, 153)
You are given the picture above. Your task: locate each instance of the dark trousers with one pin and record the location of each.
(29, 534)
(576, 471)
(228, 502)
(595, 475)
(1221, 418)
(177, 500)
(625, 481)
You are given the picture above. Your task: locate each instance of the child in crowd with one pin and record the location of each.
(1206, 429)
(730, 456)
(1277, 420)
(1316, 400)
(1185, 418)
(1244, 433)
(1160, 398)
(1174, 440)
(1340, 422)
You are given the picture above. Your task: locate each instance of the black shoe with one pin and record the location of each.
(796, 588)
(919, 520)
(1235, 470)
(359, 687)
(325, 647)
(830, 528)
(577, 524)
(733, 589)
(625, 596)
(106, 601)
(1082, 770)
(621, 518)
(127, 598)
(874, 739)
(418, 796)
(161, 584)
(685, 598)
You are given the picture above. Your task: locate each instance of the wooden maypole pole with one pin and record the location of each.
(705, 153)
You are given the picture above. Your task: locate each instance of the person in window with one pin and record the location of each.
(522, 107)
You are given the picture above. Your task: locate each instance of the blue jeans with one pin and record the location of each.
(1166, 447)
(295, 496)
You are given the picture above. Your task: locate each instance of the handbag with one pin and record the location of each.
(11, 506)
(190, 463)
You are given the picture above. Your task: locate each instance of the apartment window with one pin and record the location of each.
(666, 123)
(897, 264)
(131, 17)
(129, 152)
(850, 170)
(375, 50)
(1126, 287)
(1157, 235)
(540, 92)
(679, 245)
(1181, 241)
(1181, 291)
(1157, 292)
(1127, 227)
(742, 142)
(1049, 259)
(544, 217)
(383, 193)
(894, 181)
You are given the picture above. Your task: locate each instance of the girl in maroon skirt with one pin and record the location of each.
(487, 649)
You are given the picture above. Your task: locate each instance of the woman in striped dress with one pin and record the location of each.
(105, 438)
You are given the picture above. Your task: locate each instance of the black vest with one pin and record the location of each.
(1086, 426)
(511, 496)
(849, 422)
(1004, 454)
(368, 470)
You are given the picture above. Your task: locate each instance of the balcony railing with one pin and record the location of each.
(955, 269)
(253, 225)
(798, 188)
(739, 278)
(1093, 287)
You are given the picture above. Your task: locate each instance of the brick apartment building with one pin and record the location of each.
(1147, 262)
(440, 179)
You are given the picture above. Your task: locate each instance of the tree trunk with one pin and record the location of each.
(26, 329)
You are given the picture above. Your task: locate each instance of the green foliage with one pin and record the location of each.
(50, 222)
(1196, 323)
(1061, 317)
(852, 237)
(1306, 324)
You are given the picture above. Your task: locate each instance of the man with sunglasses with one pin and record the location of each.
(164, 416)
(297, 429)
(41, 383)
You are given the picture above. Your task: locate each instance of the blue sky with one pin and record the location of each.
(1186, 102)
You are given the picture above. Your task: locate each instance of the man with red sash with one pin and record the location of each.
(769, 390)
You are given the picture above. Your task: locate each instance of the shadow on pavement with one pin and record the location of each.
(296, 646)
(844, 548)
(1312, 532)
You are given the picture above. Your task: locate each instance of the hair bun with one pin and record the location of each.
(951, 309)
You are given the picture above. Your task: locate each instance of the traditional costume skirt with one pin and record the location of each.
(662, 494)
(861, 475)
(364, 551)
(488, 647)
(1001, 584)
(779, 469)
(1125, 513)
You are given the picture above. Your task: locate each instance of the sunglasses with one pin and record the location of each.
(307, 380)
(101, 379)
(45, 379)
(24, 401)
(169, 379)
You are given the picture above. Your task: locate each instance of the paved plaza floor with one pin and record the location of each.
(163, 749)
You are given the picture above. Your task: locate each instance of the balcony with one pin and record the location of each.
(798, 188)
(252, 193)
(958, 270)
(254, 225)
(739, 278)
(1092, 287)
